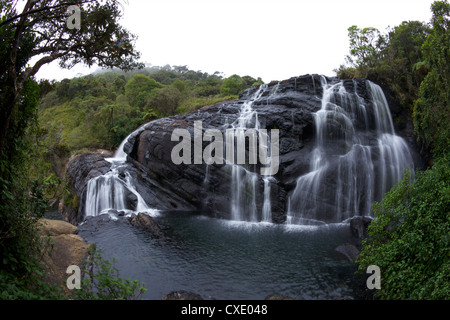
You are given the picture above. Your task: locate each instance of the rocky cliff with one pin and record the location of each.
(289, 106)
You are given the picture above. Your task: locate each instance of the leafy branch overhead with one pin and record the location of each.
(39, 33)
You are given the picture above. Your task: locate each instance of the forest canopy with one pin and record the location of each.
(100, 110)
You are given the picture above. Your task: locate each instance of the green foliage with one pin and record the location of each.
(193, 104)
(28, 288)
(165, 101)
(22, 203)
(393, 60)
(138, 88)
(235, 84)
(21, 198)
(99, 111)
(409, 239)
(431, 110)
(39, 30)
(209, 87)
(232, 85)
(102, 281)
(364, 46)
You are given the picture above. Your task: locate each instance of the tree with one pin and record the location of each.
(431, 110)
(209, 87)
(41, 31)
(232, 85)
(410, 236)
(249, 81)
(401, 62)
(364, 44)
(119, 84)
(394, 61)
(138, 88)
(165, 100)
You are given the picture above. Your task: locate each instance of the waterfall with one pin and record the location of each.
(355, 158)
(267, 208)
(115, 190)
(347, 170)
(244, 183)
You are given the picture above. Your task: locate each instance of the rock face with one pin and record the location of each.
(182, 295)
(83, 167)
(144, 221)
(80, 169)
(67, 249)
(359, 225)
(277, 296)
(207, 188)
(289, 106)
(348, 250)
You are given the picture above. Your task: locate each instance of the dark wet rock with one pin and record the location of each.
(279, 297)
(359, 225)
(348, 250)
(80, 169)
(185, 187)
(288, 106)
(148, 223)
(83, 167)
(182, 295)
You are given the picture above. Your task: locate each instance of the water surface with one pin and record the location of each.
(221, 259)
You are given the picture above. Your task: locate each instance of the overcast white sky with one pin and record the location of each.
(271, 39)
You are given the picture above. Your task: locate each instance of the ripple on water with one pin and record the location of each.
(224, 259)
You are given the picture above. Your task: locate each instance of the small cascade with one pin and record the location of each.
(347, 170)
(267, 208)
(115, 190)
(244, 185)
(354, 159)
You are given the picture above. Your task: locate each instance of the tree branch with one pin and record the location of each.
(30, 12)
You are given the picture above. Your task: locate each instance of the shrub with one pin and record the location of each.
(101, 281)
(410, 236)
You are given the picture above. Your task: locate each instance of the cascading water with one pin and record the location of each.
(244, 185)
(356, 159)
(267, 210)
(348, 171)
(115, 189)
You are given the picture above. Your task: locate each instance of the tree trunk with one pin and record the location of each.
(5, 114)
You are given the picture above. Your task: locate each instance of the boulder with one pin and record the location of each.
(279, 297)
(348, 250)
(359, 225)
(148, 223)
(64, 249)
(57, 227)
(186, 187)
(182, 295)
(288, 106)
